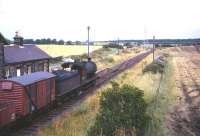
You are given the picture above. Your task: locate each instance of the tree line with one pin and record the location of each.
(50, 41)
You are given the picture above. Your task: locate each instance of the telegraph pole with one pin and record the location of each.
(118, 44)
(88, 29)
(153, 47)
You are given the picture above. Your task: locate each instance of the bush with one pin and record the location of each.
(110, 60)
(121, 109)
(79, 57)
(154, 67)
(113, 46)
(83, 109)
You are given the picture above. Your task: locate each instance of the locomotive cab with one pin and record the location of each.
(86, 69)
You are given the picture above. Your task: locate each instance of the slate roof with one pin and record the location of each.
(16, 54)
(32, 78)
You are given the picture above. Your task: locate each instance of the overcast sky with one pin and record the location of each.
(109, 19)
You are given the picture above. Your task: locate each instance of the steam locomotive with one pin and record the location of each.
(21, 97)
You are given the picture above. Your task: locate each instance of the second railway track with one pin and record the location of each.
(46, 119)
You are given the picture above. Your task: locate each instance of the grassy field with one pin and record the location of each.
(159, 101)
(66, 50)
(105, 58)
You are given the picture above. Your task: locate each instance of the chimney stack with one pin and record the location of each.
(18, 40)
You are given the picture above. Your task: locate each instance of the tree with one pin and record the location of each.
(78, 43)
(61, 42)
(38, 41)
(69, 43)
(54, 41)
(29, 41)
(48, 41)
(121, 109)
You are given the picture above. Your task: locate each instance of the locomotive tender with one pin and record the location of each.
(21, 97)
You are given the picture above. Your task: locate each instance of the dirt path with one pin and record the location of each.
(184, 120)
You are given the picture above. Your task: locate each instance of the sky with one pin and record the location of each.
(108, 19)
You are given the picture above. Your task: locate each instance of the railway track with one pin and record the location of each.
(48, 118)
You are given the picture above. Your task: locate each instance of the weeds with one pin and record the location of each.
(164, 98)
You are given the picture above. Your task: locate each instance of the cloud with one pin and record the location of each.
(109, 19)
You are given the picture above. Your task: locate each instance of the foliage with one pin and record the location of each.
(69, 42)
(154, 67)
(121, 108)
(113, 46)
(110, 60)
(83, 109)
(79, 57)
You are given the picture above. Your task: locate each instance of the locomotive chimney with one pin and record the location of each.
(18, 40)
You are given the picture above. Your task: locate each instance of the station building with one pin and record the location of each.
(18, 59)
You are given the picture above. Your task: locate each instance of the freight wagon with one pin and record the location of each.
(21, 97)
(29, 92)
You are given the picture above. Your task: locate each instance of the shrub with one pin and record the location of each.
(84, 56)
(121, 109)
(110, 60)
(154, 67)
(83, 109)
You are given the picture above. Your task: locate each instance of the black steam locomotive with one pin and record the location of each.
(80, 77)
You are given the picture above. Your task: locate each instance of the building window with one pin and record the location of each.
(25, 70)
(34, 67)
(18, 72)
(7, 73)
(41, 67)
(46, 66)
(12, 71)
(29, 69)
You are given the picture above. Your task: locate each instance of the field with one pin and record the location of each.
(81, 118)
(66, 50)
(185, 118)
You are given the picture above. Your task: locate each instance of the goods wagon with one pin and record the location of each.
(29, 93)
(7, 113)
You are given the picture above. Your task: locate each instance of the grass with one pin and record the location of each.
(160, 101)
(66, 50)
(76, 123)
(108, 57)
(164, 98)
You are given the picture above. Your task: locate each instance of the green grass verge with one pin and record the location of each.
(163, 100)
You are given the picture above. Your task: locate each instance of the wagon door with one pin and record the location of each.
(41, 94)
(48, 87)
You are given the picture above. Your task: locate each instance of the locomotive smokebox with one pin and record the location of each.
(90, 67)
